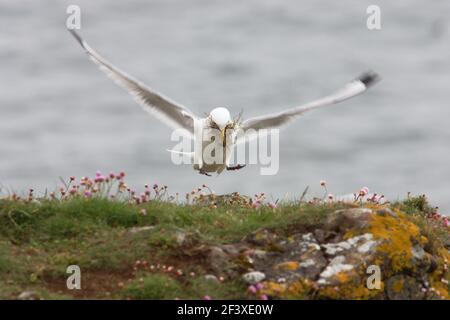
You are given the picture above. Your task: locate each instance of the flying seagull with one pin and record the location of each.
(219, 119)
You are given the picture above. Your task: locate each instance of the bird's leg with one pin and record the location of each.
(205, 173)
(239, 166)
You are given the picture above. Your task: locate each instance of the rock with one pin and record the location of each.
(28, 295)
(343, 220)
(253, 277)
(218, 259)
(421, 260)
(232, 250)
(387, 212)
(311, 264)
(367, 247)
(418, 252)
(336, 266)
(212, 278)
(309, 238)
(262, 237)
(136, 230)
(287, 266)
(184, 238)
(402, 287)
(364, 244)
(256, 254)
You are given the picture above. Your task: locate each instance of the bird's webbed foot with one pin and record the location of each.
(238, 167)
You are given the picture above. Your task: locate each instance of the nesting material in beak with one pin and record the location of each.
(222, 134)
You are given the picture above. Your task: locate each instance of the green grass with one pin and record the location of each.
(154, 287)
(39, 239)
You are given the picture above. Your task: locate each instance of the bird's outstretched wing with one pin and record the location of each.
(351, 89)
(169, 112)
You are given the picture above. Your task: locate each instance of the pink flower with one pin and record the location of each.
(259, 286)
(364, 191)
(252, 289)
(206, 297)
(330, 196)
(88, 194)
(99, 178)
(264, 297)
(256, 204)
(273, 205)
(112, 175)
(323, 183)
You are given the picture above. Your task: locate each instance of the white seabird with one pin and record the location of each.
(219, 120)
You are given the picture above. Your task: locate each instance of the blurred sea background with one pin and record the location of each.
(60, 116)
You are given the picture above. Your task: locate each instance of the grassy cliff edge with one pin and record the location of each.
(220, 247)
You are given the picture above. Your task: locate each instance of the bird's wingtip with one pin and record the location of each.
(76, 36)
(369, 78)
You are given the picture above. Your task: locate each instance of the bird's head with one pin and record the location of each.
(221, 120)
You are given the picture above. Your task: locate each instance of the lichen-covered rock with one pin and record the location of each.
(336, 259)
(403, 287)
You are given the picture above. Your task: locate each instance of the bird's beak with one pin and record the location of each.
(222, 134)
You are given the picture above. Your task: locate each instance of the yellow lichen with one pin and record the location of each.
(396, 235)
(296, 290)
(397, 286)
(288, 265)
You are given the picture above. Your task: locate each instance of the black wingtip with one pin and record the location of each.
(76, 36)
(369, 78)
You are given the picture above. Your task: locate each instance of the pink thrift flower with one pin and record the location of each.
(323, 183)
(273, 205)
(252, 289)
(256, 204)
(364, 191)
(264, 297)
(88, 194)
(99, 178)
(206, 297)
